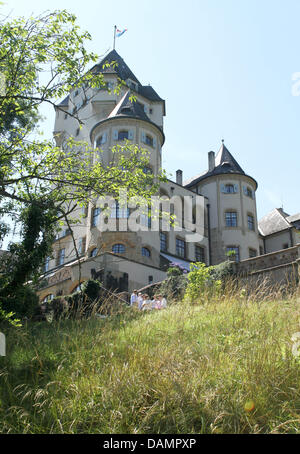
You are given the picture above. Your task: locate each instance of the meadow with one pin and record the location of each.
(226, 365)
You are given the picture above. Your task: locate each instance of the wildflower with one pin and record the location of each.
(249, 406)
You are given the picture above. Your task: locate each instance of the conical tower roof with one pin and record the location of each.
(224, 164)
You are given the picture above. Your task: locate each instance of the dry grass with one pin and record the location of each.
(186, 369)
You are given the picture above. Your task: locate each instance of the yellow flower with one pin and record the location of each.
(249, 405)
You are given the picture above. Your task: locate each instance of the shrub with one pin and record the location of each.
(175, 285)
(201, 282)
(23, 303)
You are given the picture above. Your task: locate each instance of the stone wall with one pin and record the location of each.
(279, 268)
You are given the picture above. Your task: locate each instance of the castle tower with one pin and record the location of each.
(232, 203)
(128, 259)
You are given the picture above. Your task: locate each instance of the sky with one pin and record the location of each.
(227, 70)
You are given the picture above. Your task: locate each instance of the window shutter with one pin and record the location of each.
(146, 109)
(104, 137)
(130, 134)
(143, 137)
(223, 189)
(115, 134)
(245, 190)
(154, 142)
(236, 188)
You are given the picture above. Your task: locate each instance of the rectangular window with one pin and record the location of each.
(145, 219)
(180, 247)
(149, 141)
(163, 241)
(231, 219)
(81, 246)
(118, 212)
(95, 216)
(199, 254)
(236, 251)
(61, 257)
(122, 135)
(252, 253)
(250, 222)
(47, 263)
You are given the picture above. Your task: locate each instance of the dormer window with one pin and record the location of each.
(132, 84)
(123, 135)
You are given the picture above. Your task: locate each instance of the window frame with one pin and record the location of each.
(165, 241)
(144, 253)
(95, 218)
(198, 247)
(121, 139)
(229, 217)
(234, 248)
(119, 246)
(251, 224)
(180, 246)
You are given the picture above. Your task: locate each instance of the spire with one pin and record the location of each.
(227, 162)
(224, 164)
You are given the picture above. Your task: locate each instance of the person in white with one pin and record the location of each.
(140, 300)
(147, 303)
(133, 298)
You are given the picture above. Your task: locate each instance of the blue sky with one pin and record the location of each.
(224, 68)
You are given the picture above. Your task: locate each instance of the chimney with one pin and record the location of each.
(179, 177)
(211, 161)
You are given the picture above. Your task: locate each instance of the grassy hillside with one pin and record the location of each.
(222, 367)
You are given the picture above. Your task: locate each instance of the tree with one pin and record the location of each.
(41, 60)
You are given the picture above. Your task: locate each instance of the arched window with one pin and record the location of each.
(78, 288)
(48, 298)
(118, 248)
(94, 252)
(146, 252)
(122, 135)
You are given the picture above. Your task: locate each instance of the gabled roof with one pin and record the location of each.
(273, 222)
(129, 108)
(293, 218)
(224, 164)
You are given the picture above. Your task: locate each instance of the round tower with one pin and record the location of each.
(233, 215)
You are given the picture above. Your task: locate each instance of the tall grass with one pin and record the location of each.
(220, 366)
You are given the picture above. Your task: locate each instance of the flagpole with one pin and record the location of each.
(115, 29)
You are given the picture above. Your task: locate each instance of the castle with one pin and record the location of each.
(125, 260)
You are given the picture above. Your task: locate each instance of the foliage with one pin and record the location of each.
(174, 372)
(8, 318)
(222, 271)
(41, 60)
(23, 302)
(201, 282)
(89, 299)
(174, 286)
